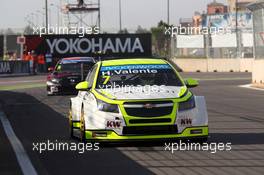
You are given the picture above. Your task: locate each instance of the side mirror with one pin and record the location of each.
(82, 86)
(190, 83)
(51, 69)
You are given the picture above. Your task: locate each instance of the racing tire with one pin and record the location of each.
(82, 127)
(70, 124)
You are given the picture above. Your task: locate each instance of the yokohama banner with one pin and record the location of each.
(116, 45)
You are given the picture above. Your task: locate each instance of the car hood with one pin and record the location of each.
(144, 92)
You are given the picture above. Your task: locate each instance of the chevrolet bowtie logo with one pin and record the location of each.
(148, 106)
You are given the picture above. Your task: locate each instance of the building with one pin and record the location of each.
(197, 19)
(241, 5)
(186, 22)
(216, 8)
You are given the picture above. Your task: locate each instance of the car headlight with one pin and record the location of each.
(107, 107)
(55, 80)
(189, 104)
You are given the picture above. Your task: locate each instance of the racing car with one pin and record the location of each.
(137, 99)
(67, 73)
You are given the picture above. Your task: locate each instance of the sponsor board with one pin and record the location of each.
(5, 67)
(241, 20)
(115, 45)
(11, 67)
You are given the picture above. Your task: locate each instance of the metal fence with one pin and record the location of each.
(259, 33)
(234, 45)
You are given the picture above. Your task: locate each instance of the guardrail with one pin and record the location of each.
(14, 68)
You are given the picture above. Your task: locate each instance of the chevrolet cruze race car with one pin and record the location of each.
(136, 99)
(67, 73)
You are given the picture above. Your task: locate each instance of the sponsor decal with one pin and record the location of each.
(113, 124)
(133, 69)
(186, 122)
(138, 66)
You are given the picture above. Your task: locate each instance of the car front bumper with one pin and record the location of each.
(58, 88)
(109, 135)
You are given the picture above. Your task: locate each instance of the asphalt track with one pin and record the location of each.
(236, 115)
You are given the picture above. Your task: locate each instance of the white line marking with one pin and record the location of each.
(249, 86)
(21, 155)
(25, 81)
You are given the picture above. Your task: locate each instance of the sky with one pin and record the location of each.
(146, 13)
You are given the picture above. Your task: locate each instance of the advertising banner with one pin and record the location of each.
(229, 20)
(14, 67)
(190, 41)
(114, 45)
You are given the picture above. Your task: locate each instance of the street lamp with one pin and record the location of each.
(46, 13)
(120, 16)
(238, 55)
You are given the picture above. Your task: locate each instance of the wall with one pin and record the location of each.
(214, 65)
(258, 72)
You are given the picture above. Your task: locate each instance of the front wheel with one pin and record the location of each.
(82, 126)
(70, 124)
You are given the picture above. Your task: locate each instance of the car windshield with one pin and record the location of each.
(137, 75)
(74, 67)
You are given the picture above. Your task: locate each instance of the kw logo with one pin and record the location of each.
(113, 124)
(186, 121)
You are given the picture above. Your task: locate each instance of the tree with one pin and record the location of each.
(141, 30)
(123, 31)
(9, 31)
(161, 41)
(28, 30)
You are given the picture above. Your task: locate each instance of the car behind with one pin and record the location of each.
(67, 73)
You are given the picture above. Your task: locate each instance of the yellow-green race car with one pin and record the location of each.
(137, 99)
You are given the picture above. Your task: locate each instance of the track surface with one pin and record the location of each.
(236, 115)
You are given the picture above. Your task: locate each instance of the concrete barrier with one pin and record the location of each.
(214, 65)
(258, 72)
